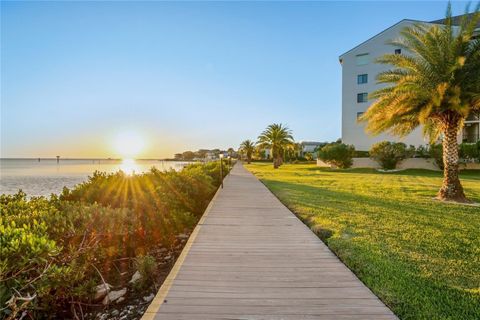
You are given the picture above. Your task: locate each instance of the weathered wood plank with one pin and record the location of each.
(251, 258)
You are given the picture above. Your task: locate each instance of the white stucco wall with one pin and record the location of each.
(353, 132)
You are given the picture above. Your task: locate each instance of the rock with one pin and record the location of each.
(120, 299)
(102, 316)
(101, 291)
(149, 298)
(167, 257)
(115, 312)
(182, 236)
(135, 278)
(112, 296)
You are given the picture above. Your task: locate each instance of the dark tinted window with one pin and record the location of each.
(362, 78)
(362, 97)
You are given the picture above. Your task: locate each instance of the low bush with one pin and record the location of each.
(422, 152)
(389, 154)
(361, 154)
(436, 153)
(54, 251)
(337, 154)
(470, 151)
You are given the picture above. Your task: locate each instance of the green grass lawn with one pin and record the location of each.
(420, 256)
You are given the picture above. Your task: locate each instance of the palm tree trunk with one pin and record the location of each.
(275, 154)
(451, 189)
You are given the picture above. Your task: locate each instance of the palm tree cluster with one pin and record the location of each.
(436, 84)
(276, 137)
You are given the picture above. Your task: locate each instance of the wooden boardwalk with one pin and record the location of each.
(251, 258)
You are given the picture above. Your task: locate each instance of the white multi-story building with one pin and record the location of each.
(359, 72)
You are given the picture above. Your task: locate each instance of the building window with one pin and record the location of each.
(362, 78)
(362, 59)
(362, 97)
(359, 114)
(398, 51)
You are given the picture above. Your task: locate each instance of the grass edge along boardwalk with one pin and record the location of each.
(251, 258)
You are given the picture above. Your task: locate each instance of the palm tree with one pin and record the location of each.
(247, 147)
(277, 138)
(436, 86)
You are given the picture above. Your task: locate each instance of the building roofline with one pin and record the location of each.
(376, 35)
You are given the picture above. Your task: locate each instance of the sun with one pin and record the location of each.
(129, 144)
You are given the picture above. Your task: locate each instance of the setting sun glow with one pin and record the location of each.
(129, 144)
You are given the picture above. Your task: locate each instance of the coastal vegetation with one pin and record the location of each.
(60, 256)
(420, 257)
(437, 87)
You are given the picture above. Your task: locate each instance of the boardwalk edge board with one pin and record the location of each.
(159, 298)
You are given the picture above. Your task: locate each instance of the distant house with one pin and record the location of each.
(310, 147)
(359, 71)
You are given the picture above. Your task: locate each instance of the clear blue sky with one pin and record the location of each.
(183, 75)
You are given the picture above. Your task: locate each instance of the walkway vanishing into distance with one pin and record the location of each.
(251, 258)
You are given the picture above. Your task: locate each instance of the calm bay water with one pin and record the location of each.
(42, 178)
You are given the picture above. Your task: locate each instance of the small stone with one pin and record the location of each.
(101, 291)
(103, 316)
(120, 299)
(162, 250)
(167, 257)
(114, 295)
(182, 236)
(115, 312)
(136, 277)
(149, 298)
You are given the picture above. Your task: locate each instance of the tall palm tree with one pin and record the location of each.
(437, 85)
(276, 137)
(247, 147)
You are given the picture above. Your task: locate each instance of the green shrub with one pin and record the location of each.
(436, 153)
(389, 154)
(361, 154)
(470, 151)
(308, 156)
(45, 253)
(338, 154)
(146, 265)
(422, 152)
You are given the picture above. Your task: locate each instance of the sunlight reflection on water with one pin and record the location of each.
(46, 176)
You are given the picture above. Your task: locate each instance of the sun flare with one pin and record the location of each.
(129, 144)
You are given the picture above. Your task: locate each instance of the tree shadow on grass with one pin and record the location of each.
(303, 193)
(466, 174)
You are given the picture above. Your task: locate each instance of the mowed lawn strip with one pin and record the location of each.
(421, 257)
